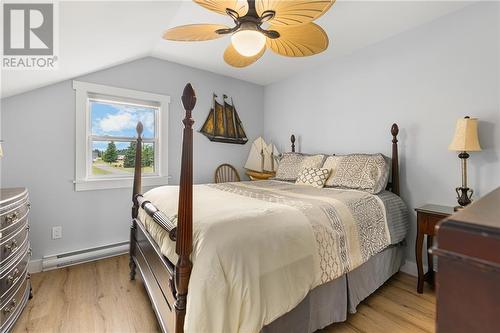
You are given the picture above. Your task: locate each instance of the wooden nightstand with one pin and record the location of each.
(255, 175)
(427, 218)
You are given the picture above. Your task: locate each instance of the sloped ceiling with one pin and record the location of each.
(97, 35)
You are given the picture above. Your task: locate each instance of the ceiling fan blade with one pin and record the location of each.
(233, 58)
(295, 12)
(219, 6)
(298, 41)
(194, 32)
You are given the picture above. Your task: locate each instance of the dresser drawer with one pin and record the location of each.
(14, 271)
(11, 245)
(11, 308)
(13, 215)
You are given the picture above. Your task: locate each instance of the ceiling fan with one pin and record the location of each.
(284, 26)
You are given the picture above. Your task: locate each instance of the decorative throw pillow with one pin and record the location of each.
(313, 176)
(291, 164)
(331, 163)
(363, 172)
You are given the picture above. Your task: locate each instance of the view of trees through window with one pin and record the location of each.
(113, 138)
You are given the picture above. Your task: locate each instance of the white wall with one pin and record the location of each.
(423, 79)
(38, 128)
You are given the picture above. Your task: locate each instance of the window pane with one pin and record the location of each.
(117, 119)
(118, 158)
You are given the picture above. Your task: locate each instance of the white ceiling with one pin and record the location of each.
(97, 35)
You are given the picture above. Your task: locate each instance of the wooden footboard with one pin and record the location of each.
(167, 283)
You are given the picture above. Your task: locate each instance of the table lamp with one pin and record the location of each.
(465, 140)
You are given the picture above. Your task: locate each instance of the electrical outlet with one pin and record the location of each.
(57, 232)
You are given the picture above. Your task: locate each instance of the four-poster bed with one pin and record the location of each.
(167, 277)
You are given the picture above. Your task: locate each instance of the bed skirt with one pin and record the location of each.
(330, 302)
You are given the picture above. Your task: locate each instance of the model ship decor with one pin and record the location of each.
(262, 161)
(223, 123)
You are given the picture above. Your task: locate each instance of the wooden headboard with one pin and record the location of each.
(393, 184)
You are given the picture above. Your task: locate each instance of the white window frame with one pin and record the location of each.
(84, 180)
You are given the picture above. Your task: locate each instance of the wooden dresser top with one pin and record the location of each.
(483, 213)
(473, 234)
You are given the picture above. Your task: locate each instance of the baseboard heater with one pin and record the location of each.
(82, 256)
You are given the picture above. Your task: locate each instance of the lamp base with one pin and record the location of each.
(464, 195)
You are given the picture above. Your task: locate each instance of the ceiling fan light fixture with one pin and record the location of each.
(248, 42)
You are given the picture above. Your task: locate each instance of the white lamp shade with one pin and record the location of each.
(465, 138)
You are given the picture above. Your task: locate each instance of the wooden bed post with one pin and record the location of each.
(135, 192)
(292, 139)
(184, 245)
(395, 159)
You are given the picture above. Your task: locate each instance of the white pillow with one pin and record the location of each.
(313, 177)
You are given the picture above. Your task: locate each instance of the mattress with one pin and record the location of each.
(260, 247)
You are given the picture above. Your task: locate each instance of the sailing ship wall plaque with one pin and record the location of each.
(223, 123)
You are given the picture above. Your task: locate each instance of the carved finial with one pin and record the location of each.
(394, 130)
(292, 139)
(139, 128)
(188, 98)
(224, 96)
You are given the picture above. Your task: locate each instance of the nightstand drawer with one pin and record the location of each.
(428, 222)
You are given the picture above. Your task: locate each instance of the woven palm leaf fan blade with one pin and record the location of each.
(298, 41)
(220, 6)
(194, 32)
(233, 58)
(293, 12)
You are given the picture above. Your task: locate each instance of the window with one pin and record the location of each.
(106, 118)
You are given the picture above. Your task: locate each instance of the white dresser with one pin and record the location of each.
(15, 252)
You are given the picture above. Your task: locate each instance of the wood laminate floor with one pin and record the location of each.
(98, 297)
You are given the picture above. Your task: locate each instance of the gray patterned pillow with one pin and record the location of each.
(365, 172)
(291, 164)
(313, 176)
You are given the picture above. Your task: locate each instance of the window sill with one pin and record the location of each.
(110, 183)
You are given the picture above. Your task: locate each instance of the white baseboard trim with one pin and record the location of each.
(79, 257)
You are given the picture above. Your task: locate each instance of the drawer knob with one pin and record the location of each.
(12, 246)
(9, 308)
(12, 278)
(11, 218)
